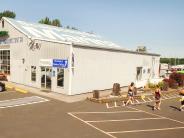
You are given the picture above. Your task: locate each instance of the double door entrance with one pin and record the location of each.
(46, 75)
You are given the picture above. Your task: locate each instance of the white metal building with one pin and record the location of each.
(68, 61)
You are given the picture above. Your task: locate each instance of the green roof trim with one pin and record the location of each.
(180, 72)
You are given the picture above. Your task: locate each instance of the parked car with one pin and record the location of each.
(3, 77)
(2, 87)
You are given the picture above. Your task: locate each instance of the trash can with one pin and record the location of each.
(96, 94)
(116, 89)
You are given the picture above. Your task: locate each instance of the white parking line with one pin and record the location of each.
(123, 120)
(22, 101)
(146, 130)
(91, 125)
(164, 97)
(157, 115)
(21, 104)
(104, 112)
(137, 101)
(149, 99)
(134, 110)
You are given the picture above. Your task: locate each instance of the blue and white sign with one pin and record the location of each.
(60, 63)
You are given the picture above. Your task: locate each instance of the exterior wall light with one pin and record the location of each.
(23, 60)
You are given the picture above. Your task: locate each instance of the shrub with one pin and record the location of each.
(179, 78)
(173, 84)
(151, 85)
(3, 33)
(165, 86)
(160, 84)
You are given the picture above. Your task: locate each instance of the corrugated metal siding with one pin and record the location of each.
(16, 67)
(50, 50)
(21, 72)
(99, 69)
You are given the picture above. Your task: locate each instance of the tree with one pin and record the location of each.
(172, 61)
(56, 22)
(7, 13)
(74, 28)
(46, 20)
(68, 27)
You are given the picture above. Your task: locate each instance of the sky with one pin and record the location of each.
(156, 24)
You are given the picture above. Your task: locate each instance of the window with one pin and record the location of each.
(144, 71)
(139, 73)
(60, 77)
(5, 61)
(33, 73)
(149, 70)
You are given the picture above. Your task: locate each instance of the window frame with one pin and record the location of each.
(60, 70)
(33, 71)
(5, 61)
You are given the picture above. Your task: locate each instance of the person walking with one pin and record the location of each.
(130, 94)
(182, 101)
(157, 98)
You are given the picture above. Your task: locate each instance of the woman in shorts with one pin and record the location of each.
(157, 98)
(130, 94)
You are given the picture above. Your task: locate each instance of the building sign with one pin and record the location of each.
(11, 40)
(60, 63)
(46, 62)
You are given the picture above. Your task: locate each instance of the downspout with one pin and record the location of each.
(70, 70)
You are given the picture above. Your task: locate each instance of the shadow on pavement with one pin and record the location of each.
(175, 108)
(151, 106)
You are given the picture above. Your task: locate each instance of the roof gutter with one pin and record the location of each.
(49, 40)
(116, 49)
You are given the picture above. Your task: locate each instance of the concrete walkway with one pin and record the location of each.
(54, 95)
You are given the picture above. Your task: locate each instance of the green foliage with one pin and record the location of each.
(162, 85)
(72, 28)
(7, 13)
(56, 22)
(3, 33)
(151, 85)
(172, 61)
(46, 20)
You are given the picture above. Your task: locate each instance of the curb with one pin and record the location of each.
(11, 87)
(20, 90)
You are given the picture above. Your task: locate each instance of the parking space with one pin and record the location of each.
(13, 99)
(144, 99)
(11, 94)
(131, 122)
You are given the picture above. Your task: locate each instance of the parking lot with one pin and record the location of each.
(38, 116)
(131, 122)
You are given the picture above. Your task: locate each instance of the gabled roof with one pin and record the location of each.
(61, 35)
(58, 34)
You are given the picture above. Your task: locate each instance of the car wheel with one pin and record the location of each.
(1, 88)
